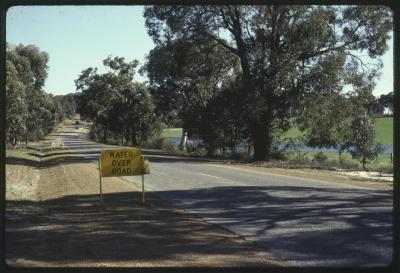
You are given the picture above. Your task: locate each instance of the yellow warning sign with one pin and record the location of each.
(121, 162)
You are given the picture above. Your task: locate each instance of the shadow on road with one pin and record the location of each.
(76, 228)
(336, 226)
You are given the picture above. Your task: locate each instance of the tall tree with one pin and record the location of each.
(362, 144)
(386, 100)
(326, 121)
(115, 102)
(27, 71)
(186, 76)
(16, 109)
(285, 52)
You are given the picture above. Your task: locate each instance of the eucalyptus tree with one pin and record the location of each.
(115, 102)
(285, 52)
(386, 100)
(16, 108)
(186, 75)
(326, 121)
(362, 141)
(67, 104)
(32, 111)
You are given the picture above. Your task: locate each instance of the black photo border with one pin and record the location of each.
(394, 5)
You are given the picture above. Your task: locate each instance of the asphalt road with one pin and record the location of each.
(302, 222)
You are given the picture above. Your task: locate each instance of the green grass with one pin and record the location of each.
(383, 128)
(172, 132)
(293, 132)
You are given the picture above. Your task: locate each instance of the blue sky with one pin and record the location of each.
(77, 37)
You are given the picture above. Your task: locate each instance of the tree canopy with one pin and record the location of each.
(116, 103)
(30, 112)
(285, 52)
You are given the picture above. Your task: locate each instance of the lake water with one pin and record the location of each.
(388, 148)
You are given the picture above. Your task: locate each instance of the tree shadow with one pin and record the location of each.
(302, 225)
(11, 160)
(77, 228)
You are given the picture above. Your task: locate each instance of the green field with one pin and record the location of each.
(172, 132)
(383, 127)
(384, 130)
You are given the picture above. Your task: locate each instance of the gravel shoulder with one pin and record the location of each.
(320, 175)
(54, 219)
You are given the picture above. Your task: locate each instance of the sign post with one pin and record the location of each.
(143, 199)
(122, 162)
(101, 191)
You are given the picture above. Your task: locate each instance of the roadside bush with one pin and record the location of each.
(385, 169)
(382, 168)
(332, 164)
(277, 155)
(154, 143)
(169, 146)
(196, 150)
(348, 163)
(320, 157)
(299, 160)
(320, 160)
(237, 156)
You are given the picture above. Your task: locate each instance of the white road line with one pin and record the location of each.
(210, 175)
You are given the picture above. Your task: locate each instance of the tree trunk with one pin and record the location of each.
(105, 136)
(14, 141)
(363, 164)
(133, 136)
(210, 150)
(261, 142)
(262, 137)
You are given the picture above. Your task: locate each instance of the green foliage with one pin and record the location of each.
(326, 120)
(299, 159)
(66, 105)
(172, 132)
(363, 136)
(120, 108)
(320, 157)
(16, 110)
(284, 53)
(30, 113)
(387, 100)
(348, 163)
(187, 75)
(384, 129)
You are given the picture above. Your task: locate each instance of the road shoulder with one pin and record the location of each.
(318, 175)
(63, 224)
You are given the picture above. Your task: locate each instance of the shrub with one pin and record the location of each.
(348, 163)
(299, 159)
(277, 155)
(320, 157)
(169, 146)
(385, 169)
(154, 143)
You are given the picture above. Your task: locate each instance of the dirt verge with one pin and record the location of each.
(320, 175)
(54, 219)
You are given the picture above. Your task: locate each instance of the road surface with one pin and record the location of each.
(302, 222)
